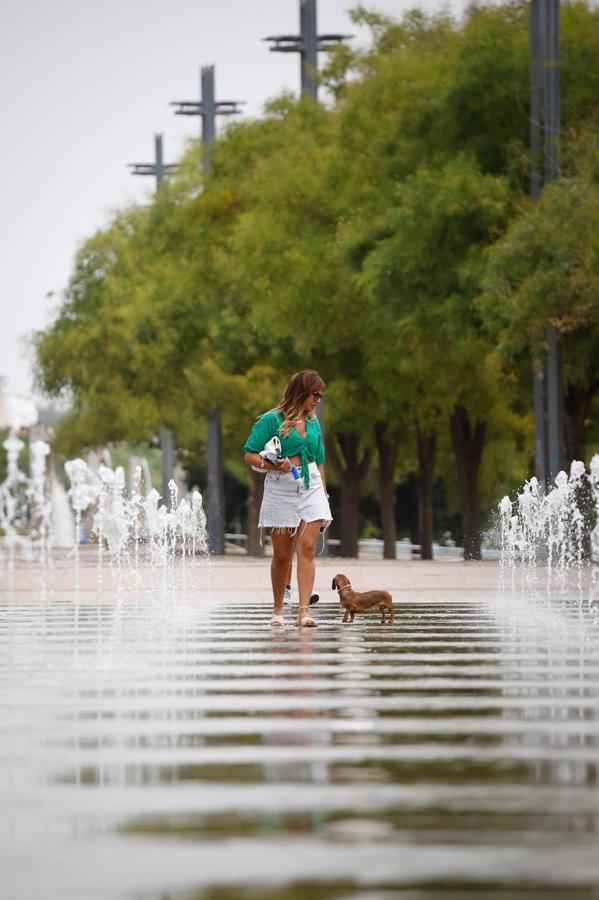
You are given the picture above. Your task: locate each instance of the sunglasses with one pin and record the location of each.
(317, 395)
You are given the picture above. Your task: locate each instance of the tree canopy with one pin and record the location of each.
(385, 239)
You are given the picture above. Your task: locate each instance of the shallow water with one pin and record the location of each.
(184, 749)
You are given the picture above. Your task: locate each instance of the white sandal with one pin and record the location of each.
(306, 621)
(277, 620)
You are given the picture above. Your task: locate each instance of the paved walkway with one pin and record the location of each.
(405, 580)
(175, 745)
(246, 580)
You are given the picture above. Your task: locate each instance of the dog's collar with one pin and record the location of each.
(346, 587)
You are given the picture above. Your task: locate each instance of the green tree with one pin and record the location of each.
(543, 272)
(351, 239)
(425, 274)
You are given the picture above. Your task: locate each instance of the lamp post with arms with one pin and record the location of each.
(208, 108)
(159, 170)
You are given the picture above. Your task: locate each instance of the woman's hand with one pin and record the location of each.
(254, 459)
(285, 465)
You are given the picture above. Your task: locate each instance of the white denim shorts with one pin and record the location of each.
(287, 501)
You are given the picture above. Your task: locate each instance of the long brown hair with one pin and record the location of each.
(299, 387)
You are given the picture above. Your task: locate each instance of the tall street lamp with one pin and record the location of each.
(308, 43)
(208, 108)
(544, 150)
(159, 170)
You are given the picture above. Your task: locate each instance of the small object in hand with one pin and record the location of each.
(270, 454)
(355, 601)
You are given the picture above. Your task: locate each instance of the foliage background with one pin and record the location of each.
(387, 240)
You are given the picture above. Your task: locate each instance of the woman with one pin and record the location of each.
(293, 508)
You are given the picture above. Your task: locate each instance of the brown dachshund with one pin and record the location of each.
(357, 602)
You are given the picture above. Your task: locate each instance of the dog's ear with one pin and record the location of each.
(334, 585)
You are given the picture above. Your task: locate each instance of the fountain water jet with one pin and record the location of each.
(13, 500)
(140, 532)
(42, 501)
(557, 529)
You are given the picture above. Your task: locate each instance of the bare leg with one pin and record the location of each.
(314, 598)
(307, 535)
(282, 544)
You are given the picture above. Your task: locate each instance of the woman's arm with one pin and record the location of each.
(254, 459)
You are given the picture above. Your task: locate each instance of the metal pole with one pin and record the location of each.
(167, 442)
(215, 518)
(536, 94)
(308, 43)
(309, 88)
(545, 116)
(216, 487)
(551, 89)
(309, 49)
(207, 109)
(159, 160)
(551, 108)
(554, 402)
(540, 424)
(208, 112)
(159, 170)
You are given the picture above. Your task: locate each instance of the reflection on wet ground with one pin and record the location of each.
(185, 750)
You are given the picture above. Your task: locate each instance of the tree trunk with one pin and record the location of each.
(387, 448)
(577, 402)
(255, 492)
(468, 448)
(427, 444)
(343, 449)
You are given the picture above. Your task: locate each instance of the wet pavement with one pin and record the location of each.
(180, 748)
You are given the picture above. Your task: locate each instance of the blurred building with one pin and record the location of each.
(16, 411)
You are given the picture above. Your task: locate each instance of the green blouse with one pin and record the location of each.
(310, 448)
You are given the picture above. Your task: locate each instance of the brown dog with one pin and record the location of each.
(357, 602)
